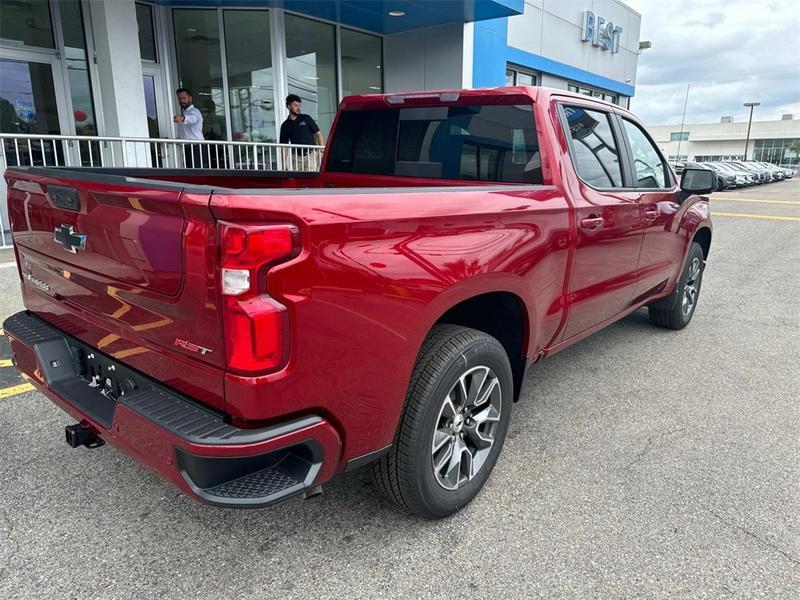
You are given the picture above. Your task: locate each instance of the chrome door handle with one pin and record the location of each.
(651, 215)
(592, 223)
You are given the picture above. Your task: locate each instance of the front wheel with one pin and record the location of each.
(683, 302)
(454, 424)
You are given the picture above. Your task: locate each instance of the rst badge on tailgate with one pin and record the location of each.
(192, 347)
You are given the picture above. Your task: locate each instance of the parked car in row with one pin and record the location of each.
(742, 178)
(735, 174)
(779, 173)
(725, 176)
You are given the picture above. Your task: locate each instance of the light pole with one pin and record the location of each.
(749, 123)
(683, 122)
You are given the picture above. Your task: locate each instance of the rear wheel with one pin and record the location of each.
(682, 303)
(454, 424)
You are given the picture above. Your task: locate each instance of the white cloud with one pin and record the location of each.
(729, 52)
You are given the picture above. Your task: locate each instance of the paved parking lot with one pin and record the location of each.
(640, 463)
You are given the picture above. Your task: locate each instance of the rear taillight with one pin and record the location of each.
(256, 325)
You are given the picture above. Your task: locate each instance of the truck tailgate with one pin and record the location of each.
(127, 266)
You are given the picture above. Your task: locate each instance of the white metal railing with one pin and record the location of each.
(120, 152)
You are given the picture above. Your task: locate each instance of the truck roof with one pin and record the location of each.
(462, 96)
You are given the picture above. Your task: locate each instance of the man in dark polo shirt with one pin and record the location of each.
(300, 129)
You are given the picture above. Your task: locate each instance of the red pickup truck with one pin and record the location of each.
(250, 335)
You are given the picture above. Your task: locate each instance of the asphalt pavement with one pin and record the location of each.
(640, 463)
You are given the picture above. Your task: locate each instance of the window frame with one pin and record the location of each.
(628, 177)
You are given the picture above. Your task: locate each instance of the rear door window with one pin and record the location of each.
(473, 143)
(595, 152)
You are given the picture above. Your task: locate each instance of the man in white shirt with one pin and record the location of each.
(190, 127)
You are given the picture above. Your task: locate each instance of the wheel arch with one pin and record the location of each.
(703, 237)
(501, 314)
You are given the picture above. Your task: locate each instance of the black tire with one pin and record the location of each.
(406, 473)
(677, 310)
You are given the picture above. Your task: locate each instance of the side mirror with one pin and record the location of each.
(697, 181)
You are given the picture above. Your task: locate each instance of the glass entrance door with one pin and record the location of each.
(151, 105)
(157, 109)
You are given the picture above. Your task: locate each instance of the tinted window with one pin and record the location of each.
(27, 23)
(650, 170)
(147, 36)
(197, 43)
(477, 142)
(250, 75)
(311, 67)
(593, 147)
(362, 63)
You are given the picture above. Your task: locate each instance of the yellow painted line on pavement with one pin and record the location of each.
(756, 201)
(16, 390)
(746, 216)
(6, 362)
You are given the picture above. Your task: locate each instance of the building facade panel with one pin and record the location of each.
(548, 38)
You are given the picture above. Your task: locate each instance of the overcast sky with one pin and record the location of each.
(729, 51)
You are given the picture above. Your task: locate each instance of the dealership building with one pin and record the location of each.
(110, 68)
(769, 141)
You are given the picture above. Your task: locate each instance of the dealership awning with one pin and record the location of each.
(381, 16)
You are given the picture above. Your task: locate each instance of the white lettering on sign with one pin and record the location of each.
(601, 33)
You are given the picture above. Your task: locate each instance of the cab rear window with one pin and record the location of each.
(472, 143)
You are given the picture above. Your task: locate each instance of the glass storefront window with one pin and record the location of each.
(197, 43)
(311, 68)
(147, 35)
(80, 87)
(27, 98)
(361, 63)
(28, 105)
(27, 23)
(776, 151)
(250, 75)
(516, 76)
(525, 79)
(592, 92)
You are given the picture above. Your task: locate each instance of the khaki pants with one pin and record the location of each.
(302, 160)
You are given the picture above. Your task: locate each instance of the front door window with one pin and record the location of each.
(651, 172)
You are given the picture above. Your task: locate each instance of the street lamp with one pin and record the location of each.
(749, 123)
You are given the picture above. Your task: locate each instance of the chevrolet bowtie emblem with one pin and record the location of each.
(66, 236)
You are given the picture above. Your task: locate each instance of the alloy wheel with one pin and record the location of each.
(691, 288)
(466, 427)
